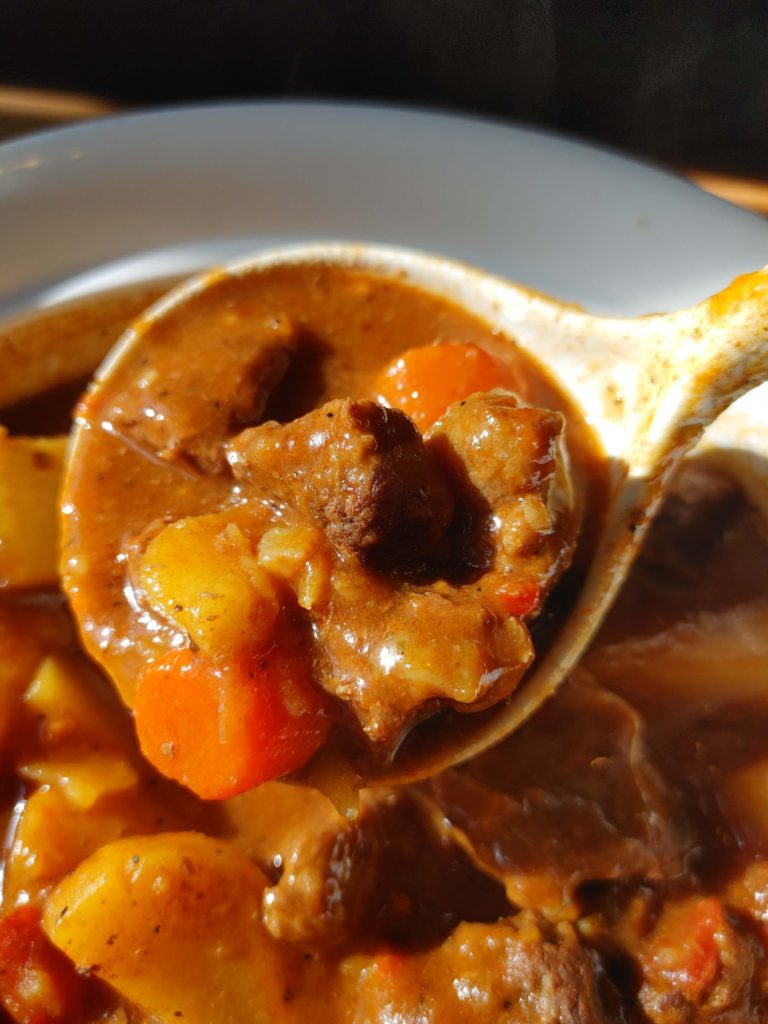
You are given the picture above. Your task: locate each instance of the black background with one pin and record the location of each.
(684, 81)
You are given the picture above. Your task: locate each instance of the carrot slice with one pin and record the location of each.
(223, 728)
(38, 985)
(424, 381)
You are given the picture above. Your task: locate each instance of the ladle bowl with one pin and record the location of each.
(648, 387)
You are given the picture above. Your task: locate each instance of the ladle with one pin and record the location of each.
(647, 386)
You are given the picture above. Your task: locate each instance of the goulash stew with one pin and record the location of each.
(306, 519)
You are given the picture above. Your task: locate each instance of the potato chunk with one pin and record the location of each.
(27, 634)
(298, 556)
(173, 923)
(74, 708)
(54, 835)
(30, 472)
(202, 575)
(744, 800)
(82, 738)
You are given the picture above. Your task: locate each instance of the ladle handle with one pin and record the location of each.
(688, 368)
(650, 385)
(726, 352)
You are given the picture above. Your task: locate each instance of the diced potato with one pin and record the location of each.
(202, 574)
(744, 800)
(73, 706)
(30, 477)
(27, 633)
(298, 555)
(173, 923)
(83, 743)
(719, 657)
(83, 780)
(53, 836)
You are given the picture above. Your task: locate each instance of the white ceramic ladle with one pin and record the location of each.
(647, 386)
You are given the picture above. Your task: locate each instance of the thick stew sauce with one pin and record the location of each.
(315, 507)
(295, 526)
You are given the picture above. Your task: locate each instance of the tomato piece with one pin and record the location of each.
(38, 985)
(221, 728)
(391, 963)
(519, 597)
(685, 950)
(424, 381)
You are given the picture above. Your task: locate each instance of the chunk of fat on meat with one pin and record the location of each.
(572, 797)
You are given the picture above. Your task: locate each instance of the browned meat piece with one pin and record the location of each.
(506, 460)
(187, 411)
(748, 894)
(503, 448)
(544, 815)
(393, 647)
(361, 470)
(393, 651)
(327, 880)
(518, 971)
(700, 966)
(387, 876)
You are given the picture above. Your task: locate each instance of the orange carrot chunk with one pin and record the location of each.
(223, 728)
(424, 381)
(38, 985)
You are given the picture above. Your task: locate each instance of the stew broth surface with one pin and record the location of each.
(607, 862)
(349, 325)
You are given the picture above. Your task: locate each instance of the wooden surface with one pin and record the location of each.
(28, 110)
(750, 193)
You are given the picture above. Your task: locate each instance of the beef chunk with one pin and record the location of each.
(359, 468)
(364, 472)
(518, 971)
(699, 966)
(387, 876)
(506, 449)
(326, 883)
(186, 411)
(506, 461)
(440, 549)
(544, 815)
(391, 652)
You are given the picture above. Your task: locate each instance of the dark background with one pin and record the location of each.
(684, 81)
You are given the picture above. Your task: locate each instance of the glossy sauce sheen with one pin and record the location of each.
(609, 862)
(349, 325)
